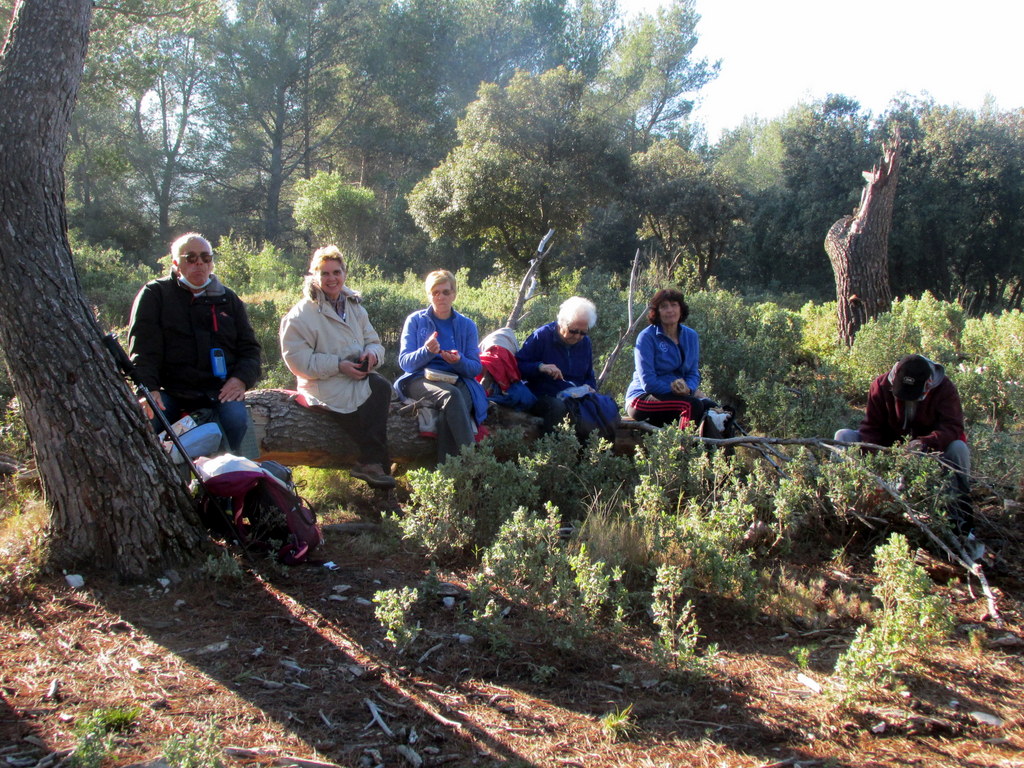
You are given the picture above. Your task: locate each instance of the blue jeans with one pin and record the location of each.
(232, 417)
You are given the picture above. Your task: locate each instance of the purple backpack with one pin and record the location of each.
(255, 504)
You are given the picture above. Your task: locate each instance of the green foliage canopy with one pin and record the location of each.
(531, 156)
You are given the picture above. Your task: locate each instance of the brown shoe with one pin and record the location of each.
(373, 475)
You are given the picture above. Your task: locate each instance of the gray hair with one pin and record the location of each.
(182, 241)
(576, 308)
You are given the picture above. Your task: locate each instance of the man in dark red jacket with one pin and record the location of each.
(917, 402)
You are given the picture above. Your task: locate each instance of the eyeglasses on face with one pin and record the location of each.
(575, 332)
(195, 258)
(442, 292)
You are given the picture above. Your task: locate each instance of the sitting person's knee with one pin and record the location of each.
(847, 436)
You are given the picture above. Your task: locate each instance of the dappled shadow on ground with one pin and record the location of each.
(293, 662)
(285, 666)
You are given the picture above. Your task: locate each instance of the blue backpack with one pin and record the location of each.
(594, 412)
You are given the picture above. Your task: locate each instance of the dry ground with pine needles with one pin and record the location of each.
(291, 667)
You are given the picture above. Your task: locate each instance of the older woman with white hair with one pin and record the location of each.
(558, 357)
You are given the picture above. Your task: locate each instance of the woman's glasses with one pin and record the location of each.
(575, 332)
(195, 258)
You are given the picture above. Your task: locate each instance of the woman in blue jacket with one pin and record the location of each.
(558, 356)
(441, 361)
(666, 371)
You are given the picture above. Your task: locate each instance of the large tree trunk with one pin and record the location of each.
(858, 247)
(114, 498)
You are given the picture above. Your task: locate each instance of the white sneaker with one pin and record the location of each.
(974, 548)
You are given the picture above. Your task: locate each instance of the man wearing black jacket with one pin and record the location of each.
(191, 341)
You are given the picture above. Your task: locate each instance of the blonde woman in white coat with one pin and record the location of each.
(327, 341)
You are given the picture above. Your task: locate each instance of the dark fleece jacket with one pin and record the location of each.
(172, 332)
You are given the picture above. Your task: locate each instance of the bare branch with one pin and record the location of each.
(182, 12)
(631, 323)
(528, 283)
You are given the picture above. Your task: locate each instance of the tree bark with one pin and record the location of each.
(858, 248)
(115, 501)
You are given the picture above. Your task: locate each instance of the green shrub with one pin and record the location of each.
(109, 281)
(924, 326)
(991, 382)
(676, 645)
(393, 612)
(819, 331)
(334, 210)
(530, 564)
(97, 732)
(245, 270)
(265, 311)
(572, 477)
(460, 505)
(198, 749)
(909, 621)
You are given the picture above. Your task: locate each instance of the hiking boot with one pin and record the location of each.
(373, 475)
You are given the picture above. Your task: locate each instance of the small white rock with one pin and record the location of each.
(809, 683)
(74, 581)
(213, 648)
(986, 719)
(449, 602)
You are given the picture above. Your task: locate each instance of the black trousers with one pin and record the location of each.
(367, 425)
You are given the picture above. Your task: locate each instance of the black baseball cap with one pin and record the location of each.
(910, 377)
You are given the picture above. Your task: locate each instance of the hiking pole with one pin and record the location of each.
(127, 368)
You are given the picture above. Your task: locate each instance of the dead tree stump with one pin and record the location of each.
(858, 248)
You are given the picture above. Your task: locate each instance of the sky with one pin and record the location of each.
(775, 53)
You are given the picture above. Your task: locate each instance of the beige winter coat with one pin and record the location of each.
(313, 341)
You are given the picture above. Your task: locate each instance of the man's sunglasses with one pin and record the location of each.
(195, 258)
(574, 332)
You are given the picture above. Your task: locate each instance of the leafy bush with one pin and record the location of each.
(530, 564)
(334, 210)
(96, 734)
(573, 477)
(265, 311)
(678, 631)
(991, 383)
(462, 503)
(910, 619)
(924, 326)
(245, 270)
(392, 611)
(198, 749)
(109, 281)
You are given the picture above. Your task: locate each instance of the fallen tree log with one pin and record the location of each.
(297, 436)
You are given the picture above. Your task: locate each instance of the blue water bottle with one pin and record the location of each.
(218, 364)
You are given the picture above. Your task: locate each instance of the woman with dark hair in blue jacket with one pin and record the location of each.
(666, 365)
